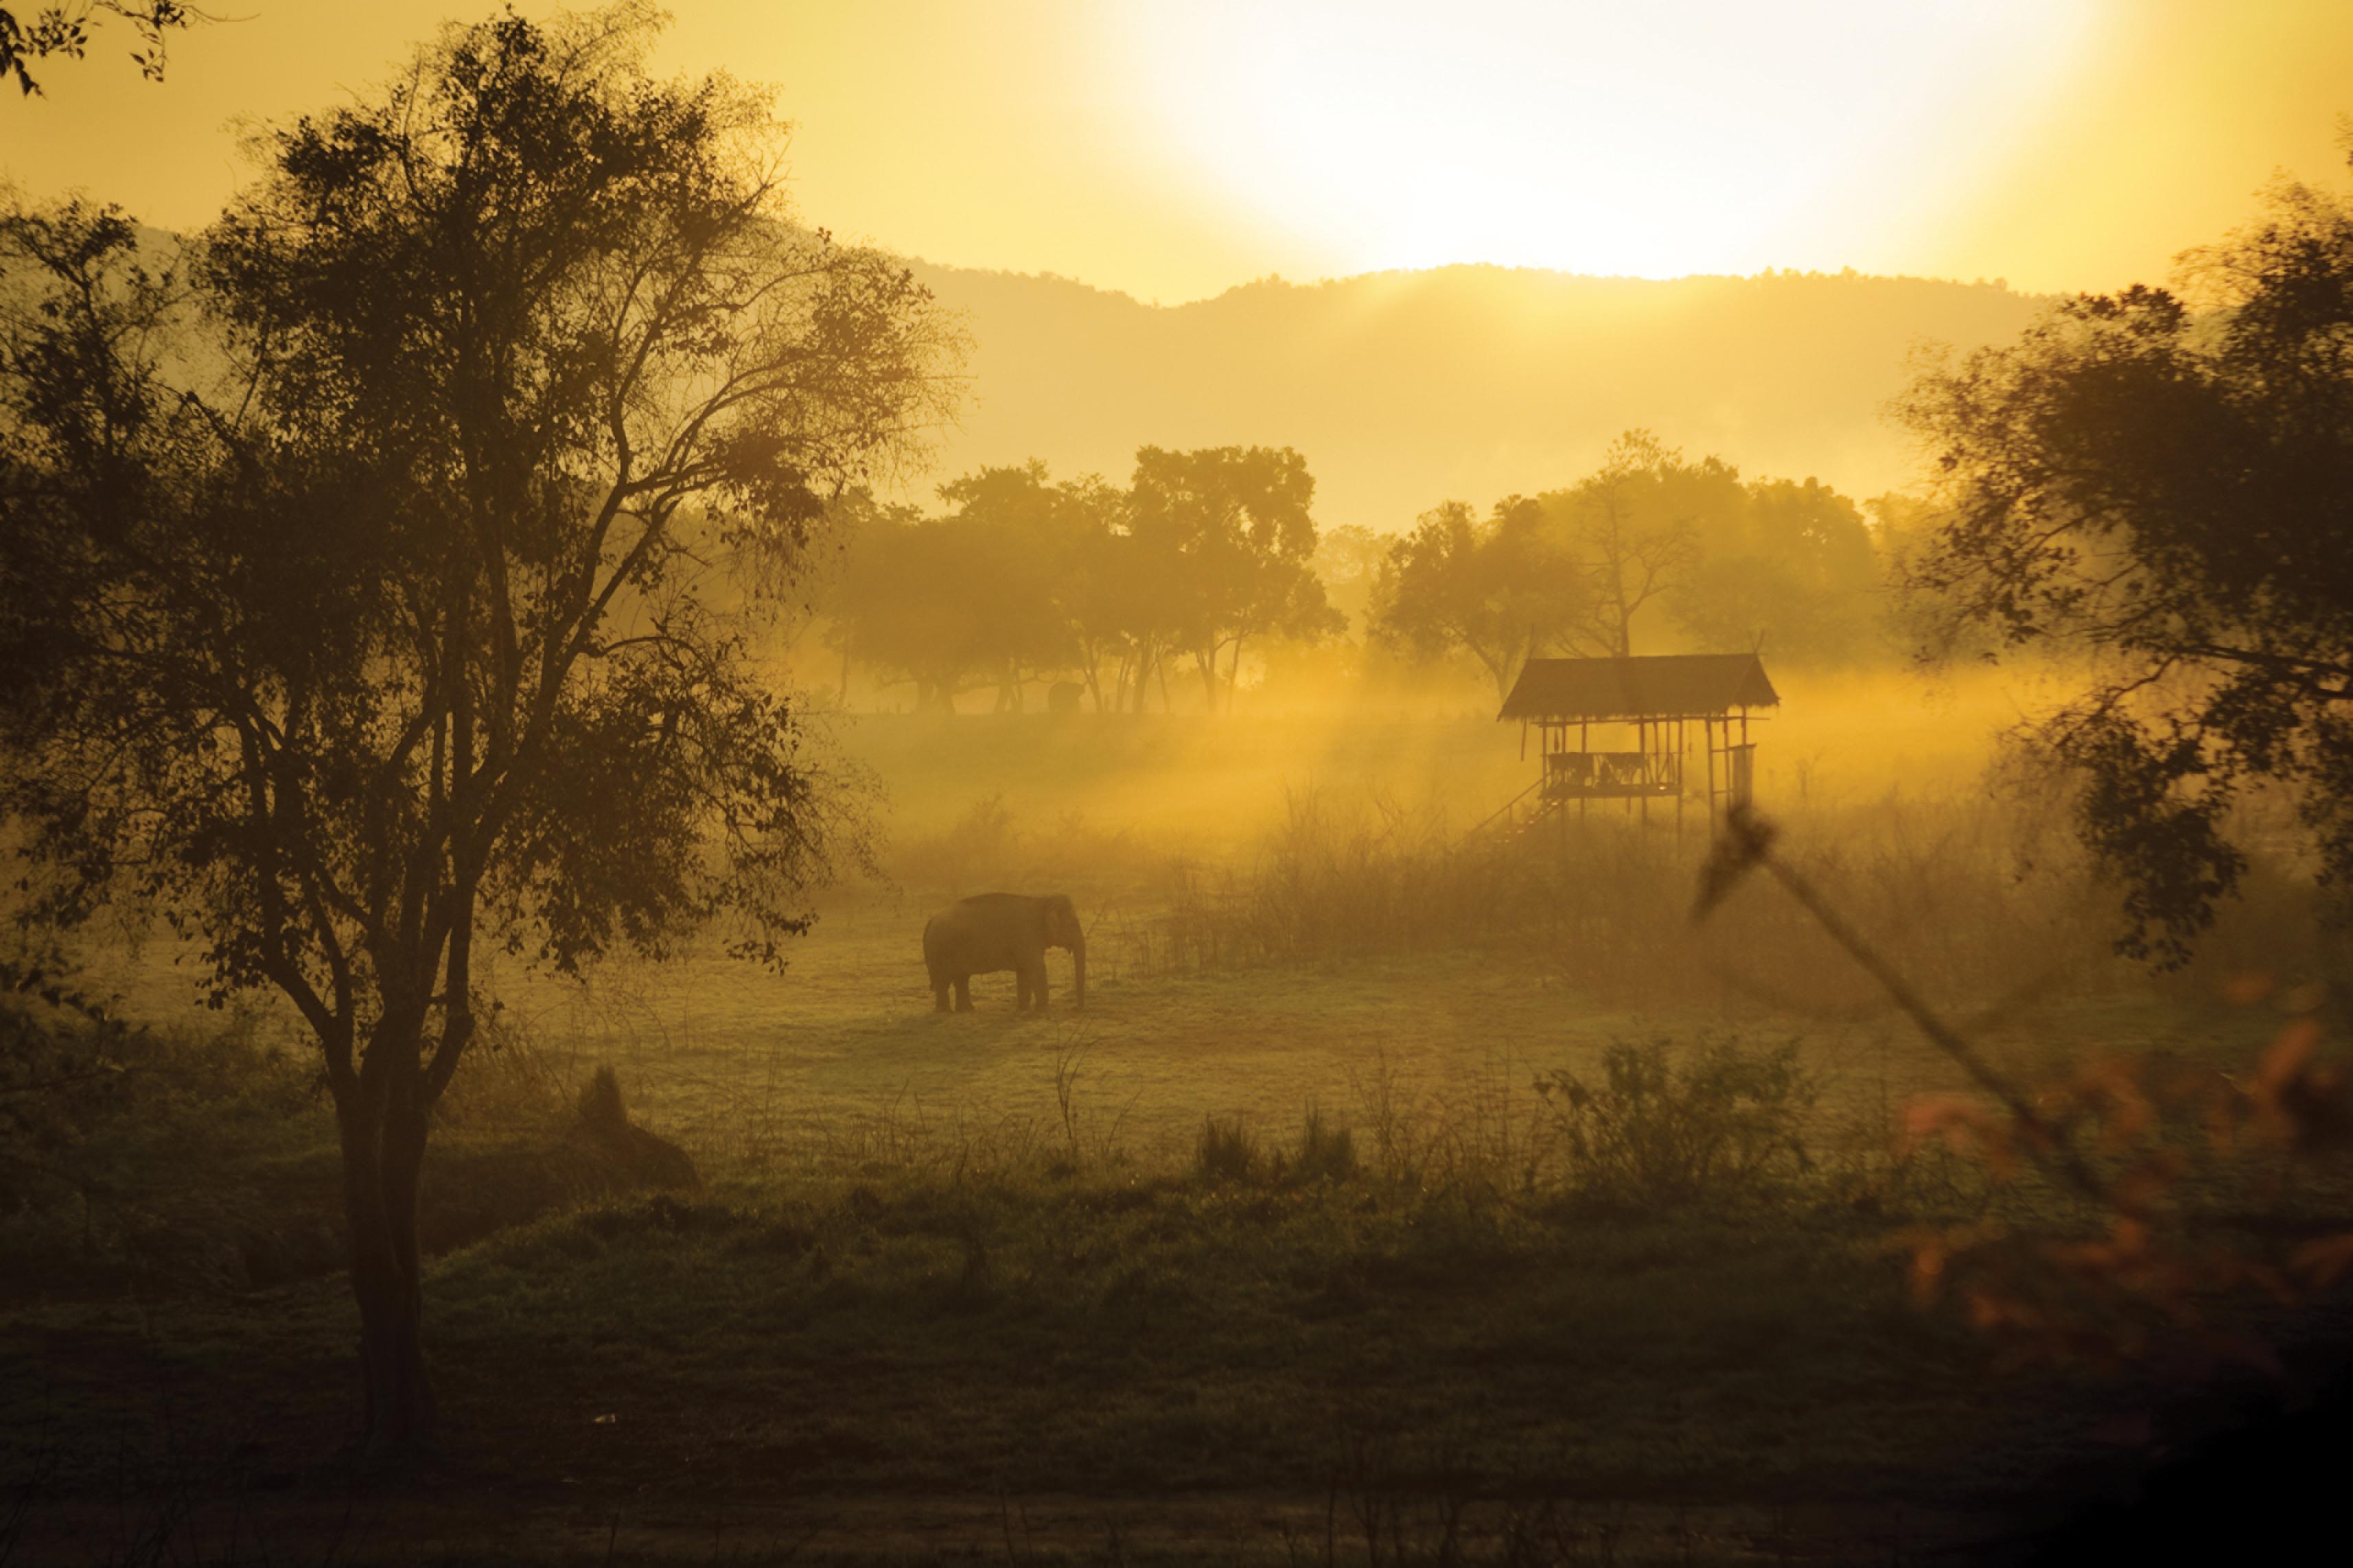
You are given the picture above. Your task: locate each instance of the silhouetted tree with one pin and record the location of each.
(407, 634)
(1790, 569)
(2164, 493)
(1005, 588)
(65, 30)
(1502, 590)
(1097, 598)
(1029, 535)
(1025, 578)
(1348, 563)
(907, 605)
(1635, 529)
(1228, 533)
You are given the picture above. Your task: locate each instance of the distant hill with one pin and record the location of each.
(1406, 388)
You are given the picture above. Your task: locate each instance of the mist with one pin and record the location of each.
(682, 884)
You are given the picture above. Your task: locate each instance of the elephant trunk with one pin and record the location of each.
(1079, 972)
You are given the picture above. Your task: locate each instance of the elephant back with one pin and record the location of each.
(987, 931)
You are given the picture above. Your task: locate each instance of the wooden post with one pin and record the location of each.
(1681, 750)
(1642, 759)
(1711, 774)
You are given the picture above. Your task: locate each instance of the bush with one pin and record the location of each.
(1967, 896)
(1729, 1123)
(65, 1065)
(1327, 1152)
(1226, 1152)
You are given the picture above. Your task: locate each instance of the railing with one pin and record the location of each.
(1516, 811)
(1610, 775)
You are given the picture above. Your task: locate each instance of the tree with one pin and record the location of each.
(65, 30)
(1792, 570)
(1097, 601)
(907, 605)
(1029, 538)
(1135, 595)
(1348, 563)
(1503, 590)
(1004, 588)
(406, 637)
(1634, 528)
(2161, 493)
(1229, 531)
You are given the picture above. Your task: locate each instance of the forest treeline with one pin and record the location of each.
(1208, 573)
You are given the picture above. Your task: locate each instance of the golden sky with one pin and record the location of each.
(1172, 148)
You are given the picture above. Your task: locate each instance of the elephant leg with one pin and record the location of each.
(964, 993)
(1021, 991)
(940, 997)
(1037, 984)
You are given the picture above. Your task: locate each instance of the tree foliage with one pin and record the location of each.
(1589, 569)
(2161, 490)
(1024, 578)
(408, 627)
(1227, 531)
(1789, 569)
(65, 30)
(980, 596)
(1502, 590)
(1633, 528)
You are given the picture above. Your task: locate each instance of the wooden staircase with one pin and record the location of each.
(1519, 816)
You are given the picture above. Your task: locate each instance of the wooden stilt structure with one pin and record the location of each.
(1650, 701)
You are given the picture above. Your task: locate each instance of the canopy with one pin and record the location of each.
(1654, 686)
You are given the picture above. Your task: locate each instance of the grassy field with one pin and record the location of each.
(844, 1052)
(966, 1283)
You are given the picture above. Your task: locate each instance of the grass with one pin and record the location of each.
(1281, 1232)
(1031, 1292)
(1158, 1338)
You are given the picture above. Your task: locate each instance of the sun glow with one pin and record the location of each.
(1674, 137)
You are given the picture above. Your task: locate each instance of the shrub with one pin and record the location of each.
(1729, 1123)
(1226, 1152)
(1327, 1153)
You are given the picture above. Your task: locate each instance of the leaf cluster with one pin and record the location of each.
(1576, 571)
(2153, 482)
(1023, 576)
(389, 564)
(65, 30)
(1723, 1123)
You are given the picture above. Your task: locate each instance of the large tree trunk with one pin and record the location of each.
(381, 1121)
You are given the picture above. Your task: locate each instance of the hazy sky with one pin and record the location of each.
(1172, 148)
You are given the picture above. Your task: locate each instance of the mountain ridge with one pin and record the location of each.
(1471, 381)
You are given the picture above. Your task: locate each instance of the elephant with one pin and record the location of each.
(992, 932)
(1062, 697)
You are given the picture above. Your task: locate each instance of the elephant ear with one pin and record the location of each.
(1062, 920)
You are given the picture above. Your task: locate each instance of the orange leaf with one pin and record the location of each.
(2246, 990)
(2320, 1262)
(2287, 1057)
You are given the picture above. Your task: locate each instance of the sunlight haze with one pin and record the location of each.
(1173, 150)
(1184, 783)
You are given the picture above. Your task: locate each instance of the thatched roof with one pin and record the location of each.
(1656, 686)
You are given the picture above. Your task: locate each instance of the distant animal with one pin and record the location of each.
(1062, 697)
(994, 931)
